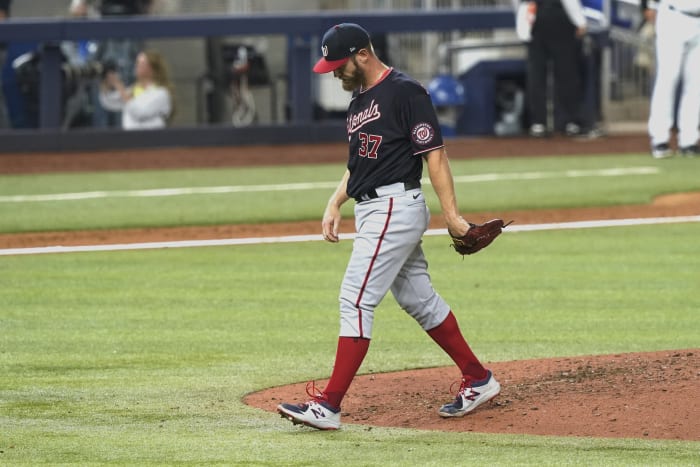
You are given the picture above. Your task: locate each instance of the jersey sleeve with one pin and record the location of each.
(422, 123)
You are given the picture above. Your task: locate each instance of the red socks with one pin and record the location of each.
(448, 336)
(352, 350)
(348, 358)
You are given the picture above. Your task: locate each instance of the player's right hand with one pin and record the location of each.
(331, 224)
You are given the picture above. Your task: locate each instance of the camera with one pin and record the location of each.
(74, 77)
(92, 69)
(27, 71)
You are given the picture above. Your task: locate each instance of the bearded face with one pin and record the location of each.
(350, 74)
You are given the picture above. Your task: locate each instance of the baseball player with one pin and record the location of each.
(677, 60)
(392, 128)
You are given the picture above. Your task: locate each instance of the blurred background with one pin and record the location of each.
(476, 75)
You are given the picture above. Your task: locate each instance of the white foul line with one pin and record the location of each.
(160, 192)
(614, 172)
(205, 190)
(317, 237)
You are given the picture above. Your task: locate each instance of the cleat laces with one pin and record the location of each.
(313, 392)
(465, 390)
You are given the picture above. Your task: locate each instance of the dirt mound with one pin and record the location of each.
(637, 395)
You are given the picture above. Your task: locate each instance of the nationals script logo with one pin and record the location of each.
(370, 114)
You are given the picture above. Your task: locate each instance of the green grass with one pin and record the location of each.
(142, 357)
(676, 175)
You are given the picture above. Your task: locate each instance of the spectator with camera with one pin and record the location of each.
(120, 52)
(149, 102)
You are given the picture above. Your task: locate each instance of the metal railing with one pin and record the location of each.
(299, 28)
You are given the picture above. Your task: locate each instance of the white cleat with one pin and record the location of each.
(471, 395)
(315, 413)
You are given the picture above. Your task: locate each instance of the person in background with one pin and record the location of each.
(557, 30)
(648, 12)
(120, 52)
(4, 15)
(677, 61)
(149, 103)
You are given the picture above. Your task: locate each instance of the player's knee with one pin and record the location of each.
(350, 303)
(356, 320)
(428, 314)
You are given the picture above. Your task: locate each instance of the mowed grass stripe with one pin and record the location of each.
(184, 191)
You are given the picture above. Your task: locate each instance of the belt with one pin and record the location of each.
(390, 189)
(687, 13)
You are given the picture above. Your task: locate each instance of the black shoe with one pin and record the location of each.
(661, 151)
(690, 151)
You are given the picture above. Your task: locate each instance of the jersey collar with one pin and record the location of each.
(381, 78)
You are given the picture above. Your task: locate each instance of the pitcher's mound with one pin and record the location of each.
(638, 395)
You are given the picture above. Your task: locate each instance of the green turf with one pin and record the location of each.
(142, 357)
(675, 175)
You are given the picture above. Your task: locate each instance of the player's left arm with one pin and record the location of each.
(443, 184)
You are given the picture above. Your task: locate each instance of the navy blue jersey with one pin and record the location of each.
(390, 126)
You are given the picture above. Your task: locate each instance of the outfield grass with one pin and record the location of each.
(142, 357)
(267, 205)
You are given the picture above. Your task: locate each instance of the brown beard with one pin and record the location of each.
(355, 81)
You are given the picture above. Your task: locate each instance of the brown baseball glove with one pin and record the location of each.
(478, 236)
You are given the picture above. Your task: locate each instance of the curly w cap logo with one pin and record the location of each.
(324, 50)
(423, 133)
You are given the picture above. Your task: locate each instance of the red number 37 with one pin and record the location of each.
(369, 145)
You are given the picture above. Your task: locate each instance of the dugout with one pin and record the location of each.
(494, 78)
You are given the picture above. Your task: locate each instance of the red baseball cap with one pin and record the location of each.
(339, 43)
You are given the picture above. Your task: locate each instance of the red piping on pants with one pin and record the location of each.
(371, 265)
